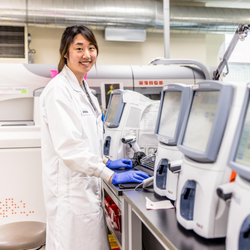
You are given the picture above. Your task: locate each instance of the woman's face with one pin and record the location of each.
(82, 56)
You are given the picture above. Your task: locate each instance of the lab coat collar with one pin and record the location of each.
(93, 98)
(71, 78)
(76, 86)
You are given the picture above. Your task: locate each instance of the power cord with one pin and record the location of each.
(138, 186)
(32, 51)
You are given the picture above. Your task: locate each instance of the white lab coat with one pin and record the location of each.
(72, 143)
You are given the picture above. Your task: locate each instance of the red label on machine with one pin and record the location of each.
(160, 82)
(150, 82)
(146, 82)
(155, 82)
(140, 82)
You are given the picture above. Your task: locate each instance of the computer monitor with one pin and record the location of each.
(205, 121)
(115, 109)
(239, 159)
(173, 105)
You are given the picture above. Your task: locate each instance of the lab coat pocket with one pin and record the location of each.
(85, 195)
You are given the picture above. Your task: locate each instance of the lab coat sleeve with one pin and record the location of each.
(66, 134)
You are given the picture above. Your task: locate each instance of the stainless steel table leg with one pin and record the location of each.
(125, 225)
(134, 230)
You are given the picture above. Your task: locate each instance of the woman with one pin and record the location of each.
(72, 142)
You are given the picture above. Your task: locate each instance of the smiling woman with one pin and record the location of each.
(82, 56)
(80, 43)
(72, 157)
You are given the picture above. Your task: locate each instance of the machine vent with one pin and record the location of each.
(12, 42)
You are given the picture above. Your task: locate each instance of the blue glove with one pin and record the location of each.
(129, 176)
(121, 163)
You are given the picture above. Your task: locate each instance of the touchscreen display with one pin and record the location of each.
(201, 119)
(113, 108)
(169, 113)
(243, 151)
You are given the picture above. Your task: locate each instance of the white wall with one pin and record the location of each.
(46, 42)
(134, 53)
(213, 43)
(188, 46)
(200, 47)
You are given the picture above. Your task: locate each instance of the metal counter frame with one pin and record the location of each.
(161, 223)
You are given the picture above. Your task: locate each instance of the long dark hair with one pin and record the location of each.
(68, 37)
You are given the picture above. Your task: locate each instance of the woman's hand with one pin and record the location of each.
(121, 163)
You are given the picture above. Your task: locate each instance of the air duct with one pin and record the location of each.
(96, 14)
(138, 14)
(206, 19)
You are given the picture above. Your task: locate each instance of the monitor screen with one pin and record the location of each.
(243, 151)
(169, 113)
(201, 119)
(115, 99)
